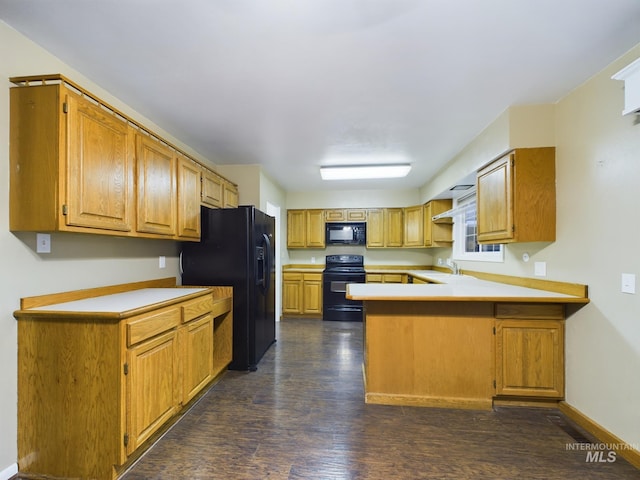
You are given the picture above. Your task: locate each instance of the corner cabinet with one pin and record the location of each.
(516, 197)
(125, 375)
(530, 350)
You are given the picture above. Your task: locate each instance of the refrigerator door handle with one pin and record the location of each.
(266, 265)
(180, 264)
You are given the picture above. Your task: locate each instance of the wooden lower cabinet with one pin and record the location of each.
(152, 381)
(386, 278)
(302, 294)
(94, 390)
(530, 351)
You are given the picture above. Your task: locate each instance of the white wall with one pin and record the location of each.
(77, 261)
(598, 174)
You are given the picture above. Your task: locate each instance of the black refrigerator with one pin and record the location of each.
(237, 248)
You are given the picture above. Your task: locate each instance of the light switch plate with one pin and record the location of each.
(43, 243)
(162, 261)
(540, 269)
(628, 283)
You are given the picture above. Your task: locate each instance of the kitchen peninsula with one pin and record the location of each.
(459, 341)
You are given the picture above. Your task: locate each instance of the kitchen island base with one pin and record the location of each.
(435, 354)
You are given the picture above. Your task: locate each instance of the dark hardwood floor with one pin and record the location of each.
(302, 416)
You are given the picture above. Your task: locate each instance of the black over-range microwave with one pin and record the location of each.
(346, 233)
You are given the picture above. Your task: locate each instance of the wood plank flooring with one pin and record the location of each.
(302, 416)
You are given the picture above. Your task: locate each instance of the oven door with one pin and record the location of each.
(335, 304)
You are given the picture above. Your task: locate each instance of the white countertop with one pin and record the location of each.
(118, 303)
(453, 288)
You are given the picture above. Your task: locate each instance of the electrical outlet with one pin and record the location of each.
(162, 261)
(43, 243)
(540, 269)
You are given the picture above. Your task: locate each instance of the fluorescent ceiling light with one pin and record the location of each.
(359, 172)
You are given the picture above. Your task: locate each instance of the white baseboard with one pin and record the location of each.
(9, 472)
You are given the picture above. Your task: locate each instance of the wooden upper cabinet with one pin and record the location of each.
(296, 229)
(305, 229)
(516, 197)
(78, 165)
(156, 171)
(212, 193)
(99, 167)
(335, 215)
(438, 233)
(393, 227)
(375, 228)
(414, 226)
(71, 163)
(230, 195)
(315, 229)
(346, 215)
(188, 198)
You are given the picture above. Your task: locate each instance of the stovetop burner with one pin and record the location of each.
(344, 263)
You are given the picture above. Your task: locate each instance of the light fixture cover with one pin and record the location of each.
(360, 172)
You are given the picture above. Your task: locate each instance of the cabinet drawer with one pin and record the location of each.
(374, 278)
(196, 308)
(393, 278)
(312, 277)
(150, 325)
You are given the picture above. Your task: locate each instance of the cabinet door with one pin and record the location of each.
(334, 215)
(296, 229)
(315, 228)
(197, 338)
(375, 228)
(393, 227)
(530, 358)
(495, 200)
(212, 194)
(156, 167)
(312, 293)
(188, 198)
(292, 293)
(230, 195)
(414, 226)
(99, 168)
(152, 385)
(356, 215)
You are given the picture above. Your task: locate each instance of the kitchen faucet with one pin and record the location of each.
(455, 270)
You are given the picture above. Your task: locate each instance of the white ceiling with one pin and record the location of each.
(284, 83)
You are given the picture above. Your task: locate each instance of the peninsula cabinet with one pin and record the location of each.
(102, 372)
(71, 164)
(530, 350)
(516, 197)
